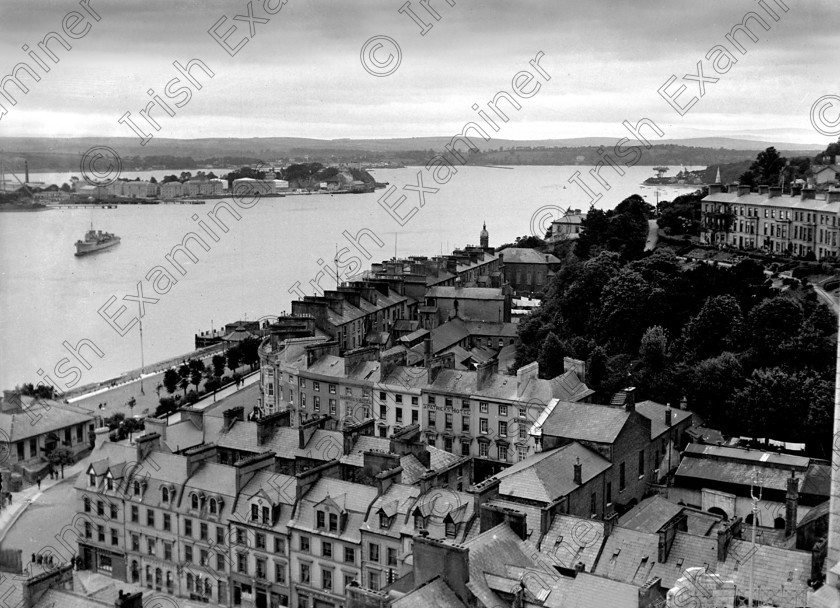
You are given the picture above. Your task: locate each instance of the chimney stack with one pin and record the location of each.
(832, 196)
(668, 415)
(809, 193)
(683, 403)
(578, 472)
(791, 504)
(743, 190)
(775, 191)
(763, 189)
(630, 398)
(715, 188)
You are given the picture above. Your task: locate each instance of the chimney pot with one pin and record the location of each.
(668, 415)
(578, 472)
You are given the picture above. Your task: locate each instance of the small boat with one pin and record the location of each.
(96, 240)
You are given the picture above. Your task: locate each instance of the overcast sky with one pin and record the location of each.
(301, 74)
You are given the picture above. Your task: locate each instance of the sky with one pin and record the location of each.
(302, 73)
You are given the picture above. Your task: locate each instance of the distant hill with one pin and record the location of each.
(64, 154)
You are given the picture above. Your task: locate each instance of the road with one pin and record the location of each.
(653, 235)
(40, 525)
(827, 298)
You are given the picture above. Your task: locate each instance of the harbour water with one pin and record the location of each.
(276, 248)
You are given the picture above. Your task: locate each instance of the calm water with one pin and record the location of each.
(47, 295)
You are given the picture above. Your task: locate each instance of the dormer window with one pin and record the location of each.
(384, 520)
(419, 521)
(194, 501)
(450, 528)
(266, 515)
(92, 479)
(333, 522)
(320, 520)
(255, 512)
(136, 488)
(213, 504)
(164, 494)
(109, 482)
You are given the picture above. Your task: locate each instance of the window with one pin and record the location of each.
(303, 400)
(415, 401)
(415, 416)
(373, 552)
(465, 406)
(260, 568)
(348, 392)
(332, 407)
(448, 421)
(255, 512)
(398, 398)
(320, 519)
(304, 544)
(136, 488)
(483, 449)
(135, 543)
(202, 531)
(188, 553)
(150, 544)
(621, 480)
(240, 536)
(114, 538)
(150, 518)
(167, 551)
(482, 426)
(431, 418)
(220, 562)
(383, 411)
(373, 580)
(279, 573)
(317, 403)
(86, 502)
(465, 448)
(522, 453)
(332, 389)
(465, 423)
(279, 545)
(109, 483)
(641, 462)
(188, 527)
(392, 556)
(88, 533)
(327, 578)
(326, 549)
(333, 522)
(502, 410)
(382, 396)
(523, 412)
(316, 386)
(100, 508)
(114, 513)
(167, 522)
(303, 383)
(22, 456)
(349, 555)
(242, 563)
(450, 528)
(135, 513)
(213, 507)
(33, 447)
(432, 399)
(304, 574)
(523, 431)
(259, 540)
(220, 535)
(399, 414)
(447, 444)
(502, 452)
(502, 428)
(164, 494)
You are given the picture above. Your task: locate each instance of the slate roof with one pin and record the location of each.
(569, 387)
(398, 500)
(650, 515)
(448, 335)
(749, 456)
(354, 498)
(591, 591)
(412, 469)
(586, 422)
(532, 514)
(821, 510)
(39, 417)
(785, 201)
(183, 435)
(432, 593)
(356, 457)
(547, 476)
(656, 413)
(522, 255)
(571, 539)
(629, 556)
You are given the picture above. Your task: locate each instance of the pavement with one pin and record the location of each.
(827, 298)
(28, 495)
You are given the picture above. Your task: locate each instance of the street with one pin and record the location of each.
(40, 525)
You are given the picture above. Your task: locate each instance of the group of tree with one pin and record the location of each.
(194, 372)
(750, 360)
(770, 168)
(39, 391)
(682, 215)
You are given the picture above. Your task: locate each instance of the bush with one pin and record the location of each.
(192, 397)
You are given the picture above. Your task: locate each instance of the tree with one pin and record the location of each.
(766, 168)
(152, 180)
(170, 380)
(249, 350)
(65, 187)
(710, 384)
(551, 356)
(218, 365)
(772, 323)
(184, 384)
(60, 457)
(596, 369)
(717, 327)
(196, 377)
(234, 356)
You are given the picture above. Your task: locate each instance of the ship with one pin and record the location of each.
(96, 240)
